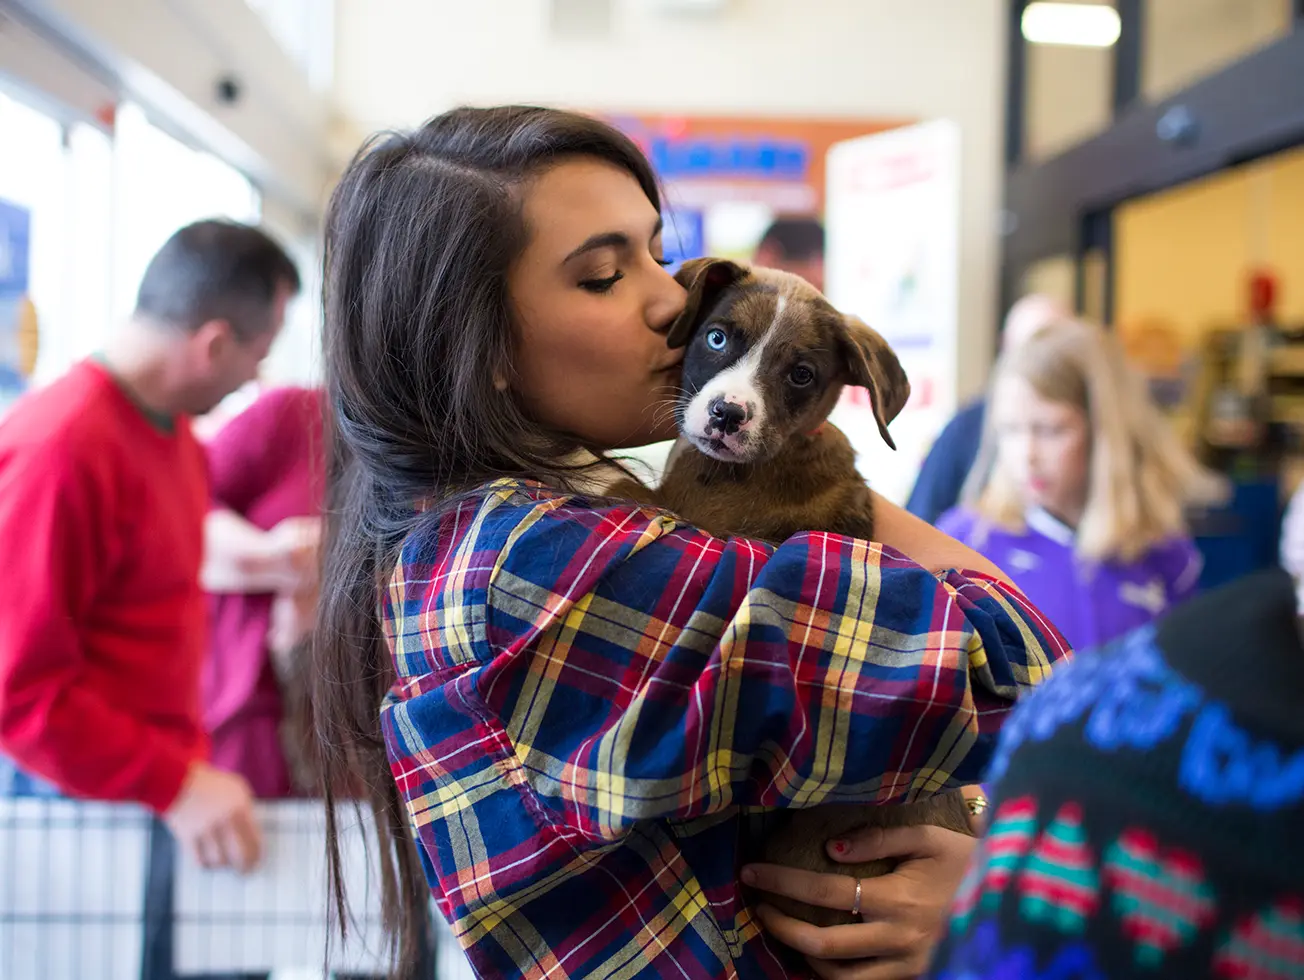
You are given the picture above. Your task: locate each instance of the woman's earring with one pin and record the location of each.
(500, 383)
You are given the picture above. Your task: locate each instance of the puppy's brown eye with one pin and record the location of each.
(801, 375)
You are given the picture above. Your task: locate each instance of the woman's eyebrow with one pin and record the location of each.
(610, 239)
(606, 239)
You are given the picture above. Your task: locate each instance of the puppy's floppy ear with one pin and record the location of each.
(704, 279)
(872, 365)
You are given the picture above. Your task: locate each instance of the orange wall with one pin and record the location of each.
(1184, 255)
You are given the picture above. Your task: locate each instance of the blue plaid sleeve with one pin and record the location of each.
(615, 666)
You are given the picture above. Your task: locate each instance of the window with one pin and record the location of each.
(1069, 96)
(161, 185)
(61, 176)
(1186, 40)
(99, 206)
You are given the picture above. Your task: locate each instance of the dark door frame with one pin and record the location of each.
(1248, 110)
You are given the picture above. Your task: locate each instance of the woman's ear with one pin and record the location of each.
(873, 365)
(704, 279)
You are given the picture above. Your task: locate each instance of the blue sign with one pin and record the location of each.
(718, 157)
(15, 262)
(15, 250)
(684, 236)
(698, 157)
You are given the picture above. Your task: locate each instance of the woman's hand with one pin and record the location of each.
(904, 911)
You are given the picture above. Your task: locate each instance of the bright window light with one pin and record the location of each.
(1082, 25)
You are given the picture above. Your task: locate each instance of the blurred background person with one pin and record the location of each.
(260, 570)
(1292, 542)
(1146, 808)
(1080, 487)
(796, 245)
(952, 455)
(103, 492)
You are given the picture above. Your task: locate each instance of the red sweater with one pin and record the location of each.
(102, 621)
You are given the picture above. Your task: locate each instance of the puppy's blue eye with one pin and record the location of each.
(716, 339)
(801, 375)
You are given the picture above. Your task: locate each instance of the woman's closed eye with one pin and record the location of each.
(605, 284)
(601, 285)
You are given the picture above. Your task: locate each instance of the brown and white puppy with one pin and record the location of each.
(767, 357)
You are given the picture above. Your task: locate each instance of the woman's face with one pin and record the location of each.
(592, 305)
(1044, 446)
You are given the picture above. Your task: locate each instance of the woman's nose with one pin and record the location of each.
(666, 303)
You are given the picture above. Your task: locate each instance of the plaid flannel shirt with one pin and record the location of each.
(593, 704)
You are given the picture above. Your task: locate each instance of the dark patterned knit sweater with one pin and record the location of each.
(1148, 809)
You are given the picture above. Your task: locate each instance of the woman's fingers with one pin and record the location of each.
(826, 891)
(853, 942)
(875, 843)
(887, 969)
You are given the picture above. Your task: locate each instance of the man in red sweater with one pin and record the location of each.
(103, 495)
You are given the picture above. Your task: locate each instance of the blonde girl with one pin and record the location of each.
(1080, 487)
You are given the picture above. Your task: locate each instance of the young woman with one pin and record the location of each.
(578, 708)
(1080, 487)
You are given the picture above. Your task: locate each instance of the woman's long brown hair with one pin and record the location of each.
(421, 233)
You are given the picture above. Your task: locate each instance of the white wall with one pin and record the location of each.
(399, 61)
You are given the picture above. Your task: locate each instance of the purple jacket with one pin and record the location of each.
(1090, 602)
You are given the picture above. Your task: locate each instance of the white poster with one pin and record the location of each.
(893, 223)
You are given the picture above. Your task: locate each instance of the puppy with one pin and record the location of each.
(767, 357)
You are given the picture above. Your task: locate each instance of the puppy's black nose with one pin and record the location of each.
(725, 416)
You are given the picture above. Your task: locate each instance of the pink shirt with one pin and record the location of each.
(266, 464)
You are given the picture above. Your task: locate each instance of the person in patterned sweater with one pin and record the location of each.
(1147, 808)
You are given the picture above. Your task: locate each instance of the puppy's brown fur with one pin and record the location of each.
(788, 470)
(809, 479)
(803, 487)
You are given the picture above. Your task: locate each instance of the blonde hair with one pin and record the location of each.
(1140, 477)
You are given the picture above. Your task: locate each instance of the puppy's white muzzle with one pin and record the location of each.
(725, 420)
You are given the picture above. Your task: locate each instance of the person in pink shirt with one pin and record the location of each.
(260, 571)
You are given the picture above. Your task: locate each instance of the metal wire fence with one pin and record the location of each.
(95, 891)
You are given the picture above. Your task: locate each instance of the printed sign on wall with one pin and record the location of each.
(893, 224)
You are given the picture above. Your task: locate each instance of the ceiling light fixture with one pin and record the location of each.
(1081, 25)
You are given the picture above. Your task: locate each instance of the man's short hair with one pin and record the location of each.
(216, 270)
(795, 239)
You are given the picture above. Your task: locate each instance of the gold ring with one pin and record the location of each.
(855, 906)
